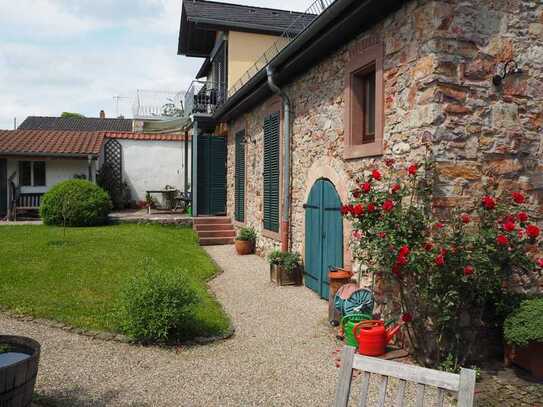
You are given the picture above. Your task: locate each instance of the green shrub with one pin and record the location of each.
(247, 234)
(75, 203)
(157, 305)
(525, 325)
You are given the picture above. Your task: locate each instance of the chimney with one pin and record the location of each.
(102, 114)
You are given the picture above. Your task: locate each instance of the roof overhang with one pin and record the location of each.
(340, 23)
(197, 32)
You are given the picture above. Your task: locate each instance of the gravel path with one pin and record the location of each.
(279, 355)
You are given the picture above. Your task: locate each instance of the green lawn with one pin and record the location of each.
(76, 279)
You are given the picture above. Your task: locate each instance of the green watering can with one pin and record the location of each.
(347, 325)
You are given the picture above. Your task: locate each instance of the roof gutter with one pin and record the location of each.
(286, 159)
(286, 53)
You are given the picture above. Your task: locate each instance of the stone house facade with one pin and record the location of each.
(438, 61)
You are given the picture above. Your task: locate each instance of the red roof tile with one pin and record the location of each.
(50, 142)
(144, 136)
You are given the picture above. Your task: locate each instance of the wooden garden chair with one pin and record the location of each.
(462, 384)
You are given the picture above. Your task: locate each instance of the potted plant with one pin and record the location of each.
(19, 358)
(285, 268)
(523, 332)
(245, 241)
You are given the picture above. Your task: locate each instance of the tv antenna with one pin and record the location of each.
(117, 100)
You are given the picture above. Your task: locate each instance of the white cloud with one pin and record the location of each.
(75, 55)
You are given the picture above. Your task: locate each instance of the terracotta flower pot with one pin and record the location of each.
(244, 247)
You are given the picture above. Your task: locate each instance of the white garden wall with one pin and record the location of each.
(151, 165)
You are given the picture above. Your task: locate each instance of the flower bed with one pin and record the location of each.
(449, 272)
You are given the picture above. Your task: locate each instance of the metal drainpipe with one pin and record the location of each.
(286, 161)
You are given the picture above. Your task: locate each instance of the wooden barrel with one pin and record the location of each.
(17, 380)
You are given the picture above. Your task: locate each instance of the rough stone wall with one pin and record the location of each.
(440, 57)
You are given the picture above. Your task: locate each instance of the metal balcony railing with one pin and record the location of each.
(203, 97)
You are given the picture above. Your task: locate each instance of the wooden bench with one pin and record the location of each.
(462, 384)
(25, 202)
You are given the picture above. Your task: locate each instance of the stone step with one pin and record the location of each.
(213, 241)
(205, 228)
(217, 233)
(212, 220)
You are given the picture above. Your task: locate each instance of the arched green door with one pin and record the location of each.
(323, 236)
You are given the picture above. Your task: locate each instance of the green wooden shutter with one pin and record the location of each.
(240, 177)
(217, 175)
(271, 172)
(211, 169)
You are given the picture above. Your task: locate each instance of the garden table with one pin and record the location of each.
(159, 191)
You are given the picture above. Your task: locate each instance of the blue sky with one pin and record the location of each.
(75, 55)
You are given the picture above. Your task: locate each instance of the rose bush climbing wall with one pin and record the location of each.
(450, 273)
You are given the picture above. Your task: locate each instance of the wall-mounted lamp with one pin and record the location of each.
(510, 68)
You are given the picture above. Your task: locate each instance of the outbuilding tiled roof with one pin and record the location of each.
(75, 123)
(50, 143)
(145, 136)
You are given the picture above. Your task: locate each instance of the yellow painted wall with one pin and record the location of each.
(244, 49)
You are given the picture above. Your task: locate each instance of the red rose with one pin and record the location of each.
(388, 205)
(508, 218)
(376, 175)
(396, 271)
(358, 210)
(366, 187)
(520, 233)
(401, 260)
(407, 317)
(439, 225)
(489, 202)
(502, 240)
(381, 234)
(389, 162)
(540, 262)
(468, 270)
(443, 251)
(412, 169)
(532, 231)
(465, 218)
(371, 208)
(518, 197)
(440, 260)
(346, 209)
(508, 226)
(428, 246)
(404, 250)
(356, 193)
(522, 216)
(395, 188)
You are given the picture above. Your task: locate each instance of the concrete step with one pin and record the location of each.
(217, 233)
(212, 241)
(205, 228)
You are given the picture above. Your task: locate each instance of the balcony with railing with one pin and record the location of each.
(203, 97)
